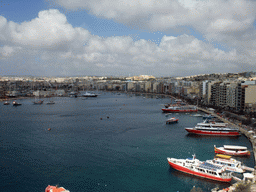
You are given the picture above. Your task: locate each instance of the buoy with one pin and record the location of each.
(49, 129)
(108, 117)
(100, 118)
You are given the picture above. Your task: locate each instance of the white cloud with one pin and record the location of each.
(49, 45)
(214, 19)
(49, 30)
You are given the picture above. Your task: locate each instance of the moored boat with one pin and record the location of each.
(232, 150)
(172, 120)
(226, 160)
(180, 109)
(88, 94)
(201, 169)
(211, 123)
(213, 131)
(6, 103)
(15, 103)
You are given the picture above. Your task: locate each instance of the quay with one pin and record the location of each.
(252, 138)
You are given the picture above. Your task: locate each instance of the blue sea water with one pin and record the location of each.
(109, 143)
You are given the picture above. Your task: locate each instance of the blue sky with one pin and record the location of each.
(111, 37)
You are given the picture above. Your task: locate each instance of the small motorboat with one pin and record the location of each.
(232, 150)
(50, 188)
(15, 103)
(172, 120)
(6, 103)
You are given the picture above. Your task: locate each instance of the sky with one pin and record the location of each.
(163, 38)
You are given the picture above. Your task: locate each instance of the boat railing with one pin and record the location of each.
(225, 175)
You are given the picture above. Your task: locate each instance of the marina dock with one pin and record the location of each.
(252, 138)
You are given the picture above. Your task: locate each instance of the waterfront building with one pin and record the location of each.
(148, 86)
(250, 99)
(234, 96)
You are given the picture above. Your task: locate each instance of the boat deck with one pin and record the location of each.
(206, 165)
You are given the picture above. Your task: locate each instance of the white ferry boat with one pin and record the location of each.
(201, 169)
(209, 123)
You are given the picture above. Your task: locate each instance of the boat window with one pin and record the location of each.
(220, 174)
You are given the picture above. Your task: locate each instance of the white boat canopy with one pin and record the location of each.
(234, 147)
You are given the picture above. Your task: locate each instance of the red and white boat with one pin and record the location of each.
(201, 169)
(180, 109)
(232, 150)
(214, 129)
(50, 188)
(172, 120)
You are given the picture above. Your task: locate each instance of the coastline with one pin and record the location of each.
(250, 136)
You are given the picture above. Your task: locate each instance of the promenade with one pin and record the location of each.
(248, 133)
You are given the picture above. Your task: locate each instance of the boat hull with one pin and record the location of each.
(191, 172)
(213, 133)
(171, 122)
(219, 151)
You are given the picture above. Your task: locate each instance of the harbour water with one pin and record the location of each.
(109, 143)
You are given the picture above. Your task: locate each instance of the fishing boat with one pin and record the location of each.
(201, 169)
(88, 94)
(226, 160)
(213, 131)
(15, 103)
(180, 109)
(232, 150)
(172, 120)
(50, 188)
